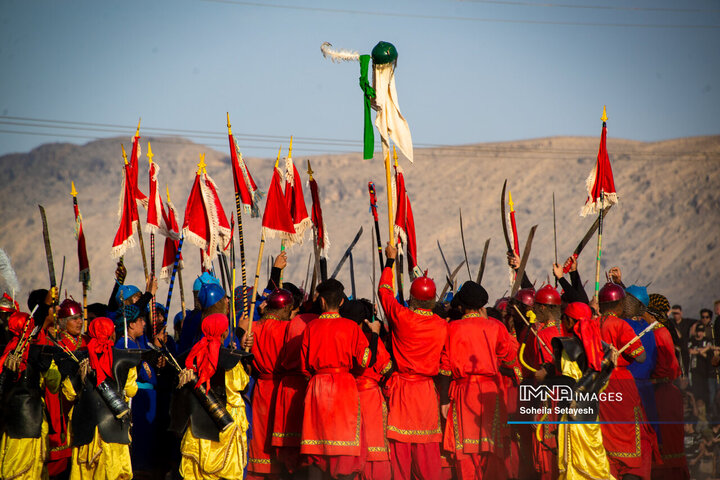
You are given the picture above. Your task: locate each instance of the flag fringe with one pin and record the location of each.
(119, 250)
(594, 207)
(8, 273)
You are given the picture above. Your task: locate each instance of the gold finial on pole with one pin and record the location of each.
(137, 131)
(150, 155)
(277, 161)
(310, 170)
(202, 164)
(604, 116)
(73, 192)
(395, 156)
(510, 202)
(124, 154)
(290, 149)
(167, 192)
(228, 124)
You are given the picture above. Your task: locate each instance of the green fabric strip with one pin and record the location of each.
(369, 94)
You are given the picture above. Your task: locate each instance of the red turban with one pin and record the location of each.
(100, 347)
(17, 325)
(588, 330)
(204, 355)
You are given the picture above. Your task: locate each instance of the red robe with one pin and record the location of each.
(628, 444)
(58, 408)
(669, 401)
(290, 400)
(373, 406)
(269, 339)
(332, 421)
(418, 338)
(535, 354)
(474, 350)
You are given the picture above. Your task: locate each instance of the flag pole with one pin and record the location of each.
(139, 230)
(255, 285)
(240, 236)
(150, 156)
(74, 193)
(399, 263)
(388, 183)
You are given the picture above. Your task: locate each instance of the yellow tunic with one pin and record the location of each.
(23, 458)
(581, 454)
(205, 459)
(104, 461)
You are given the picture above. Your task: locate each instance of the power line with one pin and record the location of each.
(593, 7)
(463, 19)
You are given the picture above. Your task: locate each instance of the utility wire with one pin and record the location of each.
(594, 7)
(463, 19)
(257, 141)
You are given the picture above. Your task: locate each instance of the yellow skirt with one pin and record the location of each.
(23, 458)
(226, 458)
(99, 460)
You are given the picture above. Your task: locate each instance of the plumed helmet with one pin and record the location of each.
(279, 298)
(526, 296)
(210, 294)
(384, 52)
(611, 292)
(547, 295)
(423, 288)
(69, 308)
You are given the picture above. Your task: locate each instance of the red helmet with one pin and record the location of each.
(423, 288)
(611, 292)
(547, 295)
(526, 296)
(501, 304)
(69, 308)
(279, 298)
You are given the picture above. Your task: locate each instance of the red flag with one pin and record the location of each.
(135, 169)
(404, 220)
(276, 218)
(83, 264)
(600, 183)
(244, 184)
(323, 241)
(128, 214)
(205, 224)
(155, 211)
(295, 200)
(171, 241)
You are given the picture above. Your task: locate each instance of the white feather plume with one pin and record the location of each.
(8, 273)
(338, 55)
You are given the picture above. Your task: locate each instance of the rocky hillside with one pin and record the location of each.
(664, 232)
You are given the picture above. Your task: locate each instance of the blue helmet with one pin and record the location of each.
(203, 279)
(125, 291)
(640, 293)
(210, 294)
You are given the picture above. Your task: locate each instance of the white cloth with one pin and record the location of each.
(389, 121)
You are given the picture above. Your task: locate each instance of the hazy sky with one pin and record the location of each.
(468, 71)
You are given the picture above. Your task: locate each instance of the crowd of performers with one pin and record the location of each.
(319, 387)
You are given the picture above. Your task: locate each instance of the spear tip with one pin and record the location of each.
(124, 153)
(137, 131)
(73, 192)
(510, 201)
(150, 155)
(604, 115)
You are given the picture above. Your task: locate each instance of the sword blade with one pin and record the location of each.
(462, 236)
(450, 280)
(48, 248)
(504, 218)
(347, 253)
(521, 269)
(447, 267)
(481, 272)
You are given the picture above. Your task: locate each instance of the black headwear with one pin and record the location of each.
(471, 296)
